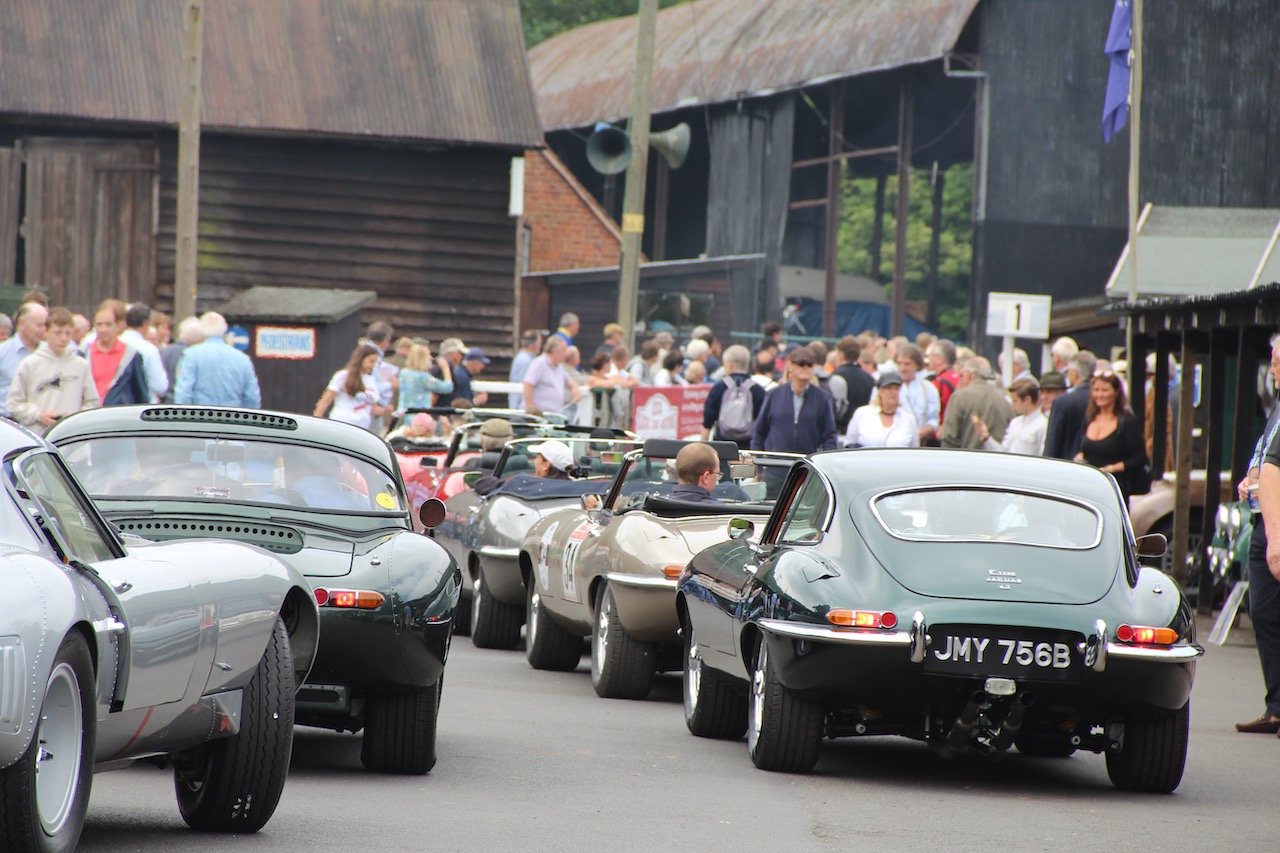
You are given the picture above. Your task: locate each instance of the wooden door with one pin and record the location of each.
(89, 230)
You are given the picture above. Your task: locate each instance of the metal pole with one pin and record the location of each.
(184, 284)
(637, 172)
(1135, 136)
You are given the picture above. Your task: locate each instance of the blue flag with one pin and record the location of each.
(1115, 109)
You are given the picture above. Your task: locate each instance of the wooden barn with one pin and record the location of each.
(345, 144)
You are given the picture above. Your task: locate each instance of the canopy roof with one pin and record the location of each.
(1187, 252)
(713, 51)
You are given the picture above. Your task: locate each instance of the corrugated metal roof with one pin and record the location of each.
(442, 70)
(711, 51)
(295, 304)
(1200, 251)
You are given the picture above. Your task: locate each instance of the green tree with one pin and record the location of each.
(955, 248)
(546, 18)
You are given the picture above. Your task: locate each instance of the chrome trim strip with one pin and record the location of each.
(802, 631)
(641, 581)
(1175, 654)
(499, 553)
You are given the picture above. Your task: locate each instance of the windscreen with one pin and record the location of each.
(755, 479)
(205, 468)
(968, 515)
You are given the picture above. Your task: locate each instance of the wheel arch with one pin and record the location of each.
(302, 621)
(525, 562)
(748, 643)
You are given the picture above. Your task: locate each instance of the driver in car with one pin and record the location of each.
(697, 472)
(314, 478)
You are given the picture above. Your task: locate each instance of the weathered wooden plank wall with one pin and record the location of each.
(428, 231)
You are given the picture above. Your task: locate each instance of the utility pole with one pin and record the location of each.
(184, 283)
(637, 171)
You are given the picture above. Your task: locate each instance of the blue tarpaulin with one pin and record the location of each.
(853, 318)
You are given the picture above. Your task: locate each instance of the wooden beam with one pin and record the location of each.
(1182, 481)
(1222, 343)
(835, 188)
(906, 110)
(845, 155)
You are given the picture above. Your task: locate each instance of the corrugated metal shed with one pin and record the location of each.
(712, 51)
(440, 70)
(1200, 251)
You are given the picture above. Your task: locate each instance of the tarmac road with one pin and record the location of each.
(532, 761)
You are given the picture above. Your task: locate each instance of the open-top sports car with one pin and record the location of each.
(611, 572)
(326, 498)
(114, 650)
(972, 600)
(484, 531)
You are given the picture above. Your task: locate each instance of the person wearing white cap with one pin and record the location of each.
(553, 460)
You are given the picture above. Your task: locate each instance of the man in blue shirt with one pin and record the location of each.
(214, 373)
(30, 324)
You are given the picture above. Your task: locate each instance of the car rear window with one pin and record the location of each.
(988, 515)
(231, 470)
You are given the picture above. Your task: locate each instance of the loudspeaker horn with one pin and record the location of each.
(608, 149)
(672, 144)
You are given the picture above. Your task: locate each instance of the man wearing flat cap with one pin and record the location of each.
(977, 395)
(455, 351)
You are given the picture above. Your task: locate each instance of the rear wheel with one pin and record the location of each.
(44, 797)
(621, 667)
(400, 729)
(784, 730)
(494, 624)
(714, 706)
(1153, 750)
(233, 785)
(547, 645)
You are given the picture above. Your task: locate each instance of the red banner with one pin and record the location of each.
(674, 412)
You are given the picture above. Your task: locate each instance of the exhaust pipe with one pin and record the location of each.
(962, 731)
(1012, 724)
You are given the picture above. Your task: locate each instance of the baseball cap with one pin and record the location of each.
(555, 452)
(888, 377)
(476, 354)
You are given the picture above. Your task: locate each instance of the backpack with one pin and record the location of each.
(737, 415)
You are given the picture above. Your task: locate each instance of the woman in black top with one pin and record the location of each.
(1113, 439)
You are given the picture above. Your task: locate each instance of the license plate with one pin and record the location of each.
(1018, 653)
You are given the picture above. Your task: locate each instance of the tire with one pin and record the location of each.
(784, 731)
(233, 785)
(621, 667)
(1153, 751)
(714, 706)
(1195, 545)
(45, 811)
(494, 625)
(547, 645)
(400, 730)
(462, 617)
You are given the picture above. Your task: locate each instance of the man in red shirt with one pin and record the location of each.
(115, 365)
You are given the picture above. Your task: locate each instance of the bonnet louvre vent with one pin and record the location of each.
(175, 414)
(281, 540)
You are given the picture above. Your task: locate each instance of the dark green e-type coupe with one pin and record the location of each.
(975, 601)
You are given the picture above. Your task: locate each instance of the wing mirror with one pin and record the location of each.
(1152, 545)
(592, 502)
(470, 477)
(431, 513)
(741, 529)
(428, 461)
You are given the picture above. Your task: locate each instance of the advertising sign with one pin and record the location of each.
(285, 342)
(674, 412)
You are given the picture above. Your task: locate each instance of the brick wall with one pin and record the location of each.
(568, 229)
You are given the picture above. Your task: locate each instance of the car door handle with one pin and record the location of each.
(122, 587)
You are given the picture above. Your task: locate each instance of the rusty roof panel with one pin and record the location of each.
(441, 70)
(711, 51)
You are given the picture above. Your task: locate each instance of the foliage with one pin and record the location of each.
(955, 250)
(546, 18)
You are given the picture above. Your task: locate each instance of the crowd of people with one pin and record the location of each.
(865, 391)
(54, 363)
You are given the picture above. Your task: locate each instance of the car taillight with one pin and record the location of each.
(359, 599)
(1143, 635)
(862, 618)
